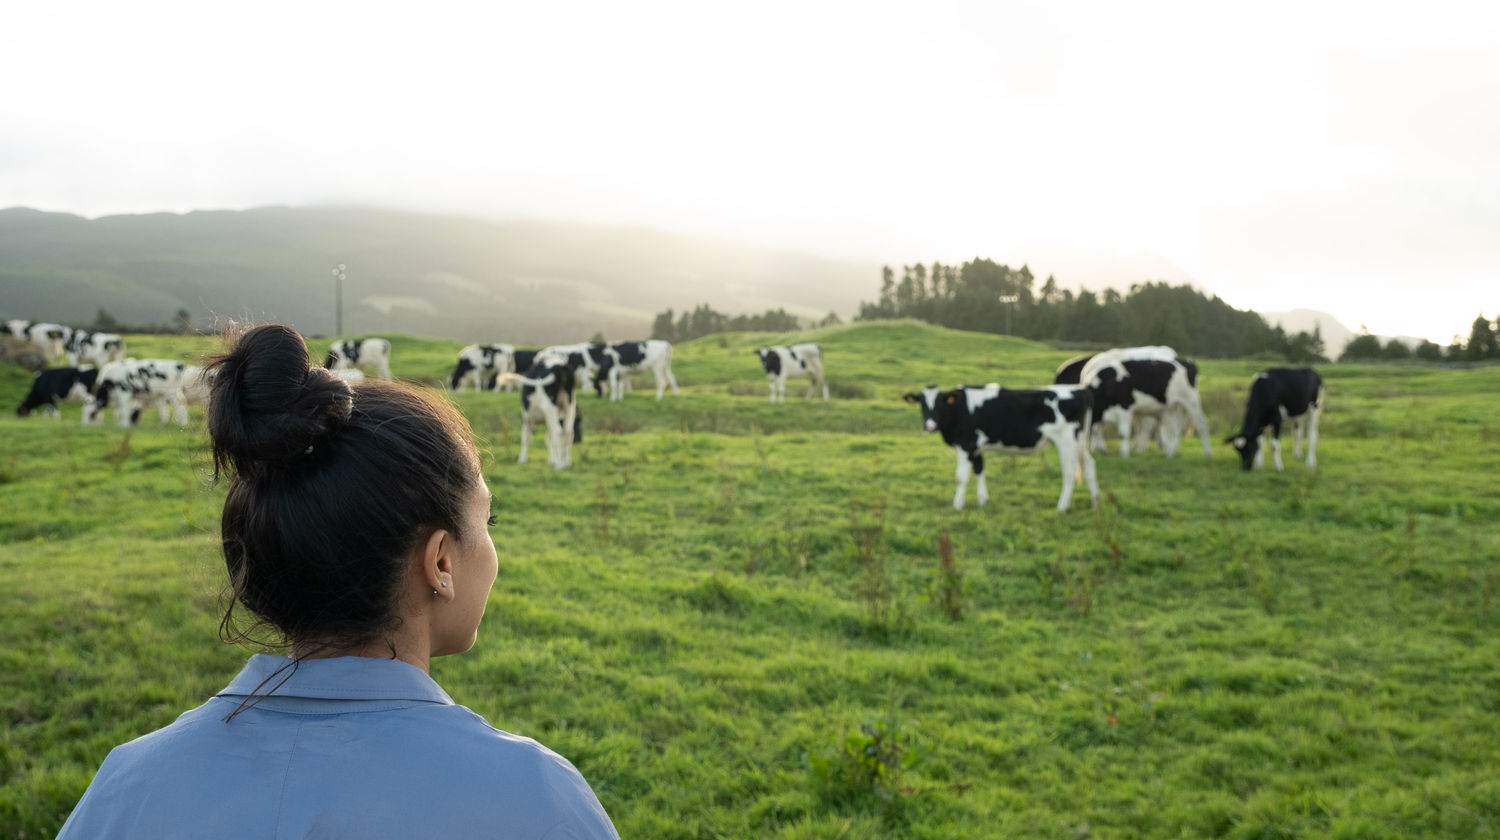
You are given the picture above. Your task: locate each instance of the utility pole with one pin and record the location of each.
(1008, 300)
(338, 300)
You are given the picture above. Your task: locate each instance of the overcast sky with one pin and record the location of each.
(1342, 156)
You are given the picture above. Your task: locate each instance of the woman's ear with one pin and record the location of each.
(436, 562)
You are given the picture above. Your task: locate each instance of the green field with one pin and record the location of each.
(731, 616)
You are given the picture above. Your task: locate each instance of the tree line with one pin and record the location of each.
(1483, 344)
(705, 320)
(985, 296)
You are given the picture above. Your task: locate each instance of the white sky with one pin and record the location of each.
(1342, 156)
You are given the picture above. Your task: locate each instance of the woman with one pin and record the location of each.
(355, 530)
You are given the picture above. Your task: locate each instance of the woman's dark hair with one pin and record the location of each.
(333, 486)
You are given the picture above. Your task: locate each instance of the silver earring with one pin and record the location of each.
(445, 584)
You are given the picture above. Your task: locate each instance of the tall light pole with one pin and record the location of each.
(338, 300)
(1008, 300)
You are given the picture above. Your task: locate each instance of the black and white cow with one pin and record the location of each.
(624, 358)
(97, 348)
(1130, 383)
(359, 352)
(126, 385)
(1277, 394)
(1071, 371)
(50, 339)
(548, 396)
(480, 362)
(974, 419)
(780, 361)
(520, 360)
(57, 384)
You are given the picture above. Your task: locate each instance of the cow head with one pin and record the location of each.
(931, 403)
(770, 360)
(1246, 446)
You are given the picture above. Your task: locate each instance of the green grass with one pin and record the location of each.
(695, 613)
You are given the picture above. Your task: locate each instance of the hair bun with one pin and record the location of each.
(269, 405)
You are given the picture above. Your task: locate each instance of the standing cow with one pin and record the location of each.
(49, 386)
(625, 357)
(548, 396)
(977, 419)
(125, 385)
(1277, 394)
(1134, 382)
(779, 361)
(96, 348)
(480, 362)
(359, 352)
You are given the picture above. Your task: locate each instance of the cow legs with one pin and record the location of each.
(1194, 409)
(671, 380)
(1260, 451)
(1122, 425)
(525, 437)
(1312, 432)
(961, 477)
(1068, 450)
(1276, 450)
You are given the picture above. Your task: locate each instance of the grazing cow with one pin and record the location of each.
(1139, 381)
(1147, 426)
(622, 359)
(126, 384)
(480, 361)
(57, 384)
(1070, 372)
(50, 339)
(1278, 394)
(358, 352)
(974, 419)
(780, 360)
(548, 396)
(97, 348)
(519, 360)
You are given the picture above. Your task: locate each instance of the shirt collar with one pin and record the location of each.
(335, 678)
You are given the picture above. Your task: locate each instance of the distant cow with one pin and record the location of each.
(49, 386)
(359, 352)
(480, 362)
(97, 348)
(548, 397)
(1071, 371)
(520, 360)
(1138, 381)
(781, 361)
(626, 357)
(976, 419)
(1146, 426)
(50, 339)
(126, 385)
(1278, 394)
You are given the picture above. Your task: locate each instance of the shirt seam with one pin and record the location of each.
(285, 776)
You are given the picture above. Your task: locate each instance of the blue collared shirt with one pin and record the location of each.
(345, 747)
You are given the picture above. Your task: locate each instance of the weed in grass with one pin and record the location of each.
(875, 589)
(946, 590)
(603, 508)
(870, 761)
(1106, 527)
(118, 455)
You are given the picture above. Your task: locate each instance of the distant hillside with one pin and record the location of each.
(1335, 334)
(528, 282)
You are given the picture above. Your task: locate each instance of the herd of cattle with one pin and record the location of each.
(1144, 393)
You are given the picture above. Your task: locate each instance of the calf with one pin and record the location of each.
(547, 396)
(780, 360)
(976, 419)
(1145, 381)
(1278, 394)
(480, 362)
(57, 384)
(126, 384)
(97, 348)
(626, 357)
(358, 352)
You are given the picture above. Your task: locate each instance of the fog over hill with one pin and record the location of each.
(528, 282)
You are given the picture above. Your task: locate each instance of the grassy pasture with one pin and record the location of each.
(725, 611)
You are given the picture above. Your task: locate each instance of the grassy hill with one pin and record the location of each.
(729, 614)
(407, 272)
